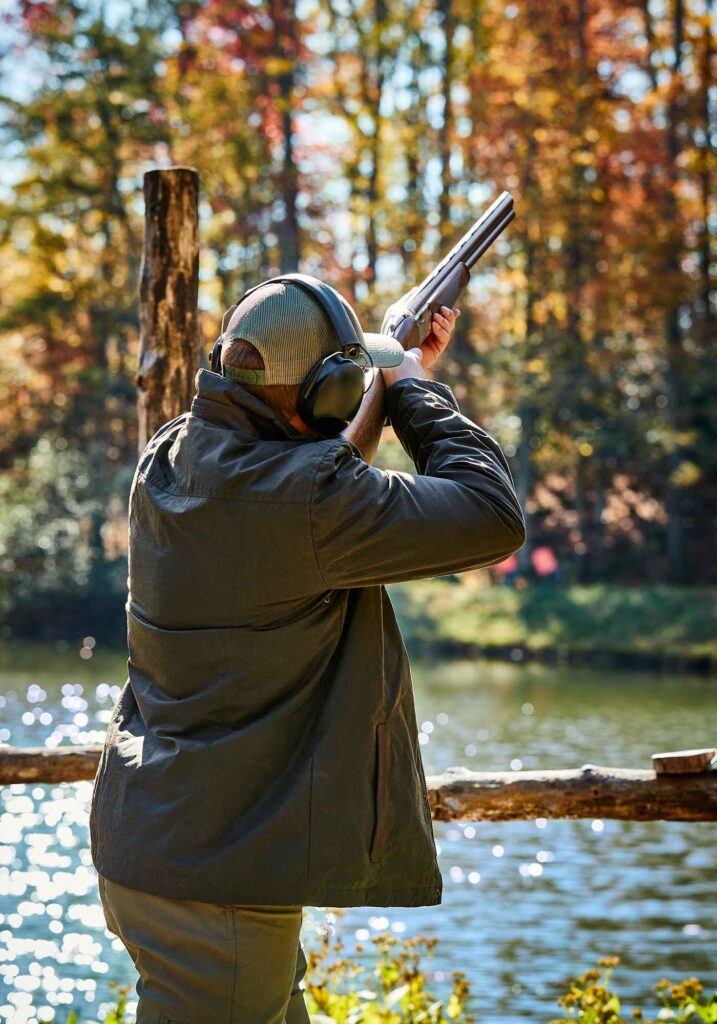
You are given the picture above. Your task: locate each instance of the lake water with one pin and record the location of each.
(526, 904)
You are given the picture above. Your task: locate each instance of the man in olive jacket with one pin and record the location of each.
(264, 751)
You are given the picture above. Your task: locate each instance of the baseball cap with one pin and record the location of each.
(291, 332)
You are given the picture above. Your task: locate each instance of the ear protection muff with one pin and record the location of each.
(331, 392)
(215, 356)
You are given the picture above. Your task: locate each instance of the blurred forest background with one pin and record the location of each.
(356, 140)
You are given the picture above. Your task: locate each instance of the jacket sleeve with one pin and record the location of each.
(459, 512)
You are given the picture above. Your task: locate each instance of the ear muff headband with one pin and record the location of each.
(329, 300)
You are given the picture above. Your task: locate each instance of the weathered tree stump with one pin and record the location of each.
(169, 343)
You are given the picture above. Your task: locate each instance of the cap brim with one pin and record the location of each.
(383, 349)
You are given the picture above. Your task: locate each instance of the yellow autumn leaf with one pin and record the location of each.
(278, 65)
(584, 158)
(686, 475)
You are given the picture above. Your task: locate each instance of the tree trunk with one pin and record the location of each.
(168, 351)
(706, 163)
(576, 377)
(376, 93)
(445, 9)
(673, 339)
(286, 47)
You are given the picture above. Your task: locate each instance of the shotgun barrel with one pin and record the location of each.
(409, 319)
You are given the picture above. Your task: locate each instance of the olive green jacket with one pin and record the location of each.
(264, 748)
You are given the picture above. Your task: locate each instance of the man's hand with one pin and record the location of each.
(442, 327)
(365, 429)
(417, 360)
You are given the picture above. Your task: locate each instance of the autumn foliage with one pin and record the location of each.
(356, 139)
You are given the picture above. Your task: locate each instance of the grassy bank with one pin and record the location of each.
(649, 624)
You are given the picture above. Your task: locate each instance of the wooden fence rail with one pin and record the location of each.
(462, 795)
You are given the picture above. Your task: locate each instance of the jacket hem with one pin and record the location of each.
(363, 896)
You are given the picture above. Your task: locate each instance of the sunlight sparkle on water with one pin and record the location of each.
(45, 866)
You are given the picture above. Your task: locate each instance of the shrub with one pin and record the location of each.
(392, 990)
(590, 1001)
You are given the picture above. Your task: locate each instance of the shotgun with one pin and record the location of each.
(409, 319)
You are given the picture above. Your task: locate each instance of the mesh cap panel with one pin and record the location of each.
(288, 328)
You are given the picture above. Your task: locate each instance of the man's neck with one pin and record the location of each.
(365, 428)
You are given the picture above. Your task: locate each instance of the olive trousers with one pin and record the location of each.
(209, 963)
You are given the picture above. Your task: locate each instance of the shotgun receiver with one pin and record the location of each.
(409, 319)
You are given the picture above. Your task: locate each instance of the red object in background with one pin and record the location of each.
(544, 561)
(510, 564)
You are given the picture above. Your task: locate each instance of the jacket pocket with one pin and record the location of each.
(381, 809)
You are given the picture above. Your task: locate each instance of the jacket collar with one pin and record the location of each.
(227, 404)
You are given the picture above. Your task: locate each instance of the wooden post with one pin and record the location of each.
(168, 348)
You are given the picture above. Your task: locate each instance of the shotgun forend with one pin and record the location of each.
(409, 319)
